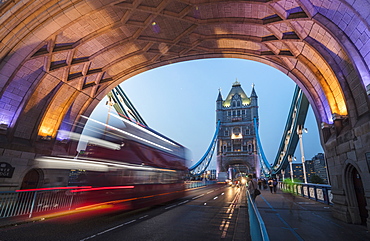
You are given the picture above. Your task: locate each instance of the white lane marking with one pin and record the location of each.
(172, 206)
(201, 195)
(105, 231)
(110, 229)
(183, 202)
(144, 216)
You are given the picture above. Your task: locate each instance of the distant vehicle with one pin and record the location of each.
(222, 177)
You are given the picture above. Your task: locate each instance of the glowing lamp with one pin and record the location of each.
(239, 136)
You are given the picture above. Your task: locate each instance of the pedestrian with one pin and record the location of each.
(252, 186)
(271, 184)
(264, 184)
(274, 184)
(259, 184)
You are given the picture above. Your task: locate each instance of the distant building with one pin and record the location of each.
(320, 167)
(212, 175)
(316, 166)
(297, 171)
(310, 170)
(236, 140)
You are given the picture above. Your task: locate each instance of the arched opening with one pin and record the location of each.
(360, 195)
(355, 195)
(197, 81)
(32, 179)
(67, 69)
(239, 168)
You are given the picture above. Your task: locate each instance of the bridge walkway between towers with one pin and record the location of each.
(289, 217)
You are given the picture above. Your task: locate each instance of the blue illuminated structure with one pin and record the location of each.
(296, 117)
(200, 167)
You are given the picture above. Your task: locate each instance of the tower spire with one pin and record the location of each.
(253, 94)
(219, 98)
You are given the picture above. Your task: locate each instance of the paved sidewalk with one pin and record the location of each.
(290, 218)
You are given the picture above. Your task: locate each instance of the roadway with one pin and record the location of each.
(216, 212)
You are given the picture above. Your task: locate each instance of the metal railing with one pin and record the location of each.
(29, 202)
(194, 184)
(256, 225)
(318, 192)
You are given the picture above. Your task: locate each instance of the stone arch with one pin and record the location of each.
(344, 70)
(288, 31)
(245, 168)
(58, 59)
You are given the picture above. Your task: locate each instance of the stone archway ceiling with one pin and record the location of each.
(59, 58)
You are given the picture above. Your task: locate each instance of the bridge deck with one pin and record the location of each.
(289, 217)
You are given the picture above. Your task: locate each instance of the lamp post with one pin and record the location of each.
(290, 159)
(299, 132)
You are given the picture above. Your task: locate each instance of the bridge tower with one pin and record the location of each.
(236, 141)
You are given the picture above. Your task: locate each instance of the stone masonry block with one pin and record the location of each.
(351, 155)
(342, 25)
(342, 159)
(12, 153)
(362, 6)
(5, 159)
(330, 162)
(28, 155)
(365, 38)
(20, 162)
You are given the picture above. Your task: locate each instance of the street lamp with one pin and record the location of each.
(290, 159)
(299, 132)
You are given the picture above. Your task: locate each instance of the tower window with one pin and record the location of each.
(238, 103)
(250, 147)
(237, 147)
(236, 130)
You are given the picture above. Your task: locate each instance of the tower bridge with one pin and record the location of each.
(58, 59)
(237, 147)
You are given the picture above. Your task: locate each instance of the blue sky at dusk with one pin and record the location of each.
(179, 101)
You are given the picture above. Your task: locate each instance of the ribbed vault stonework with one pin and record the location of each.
(58, 59)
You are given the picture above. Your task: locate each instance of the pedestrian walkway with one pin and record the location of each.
(288, 218)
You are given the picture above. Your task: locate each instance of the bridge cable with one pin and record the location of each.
(296, 117)
(200, 167)
(261, 154)
(121, 103)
